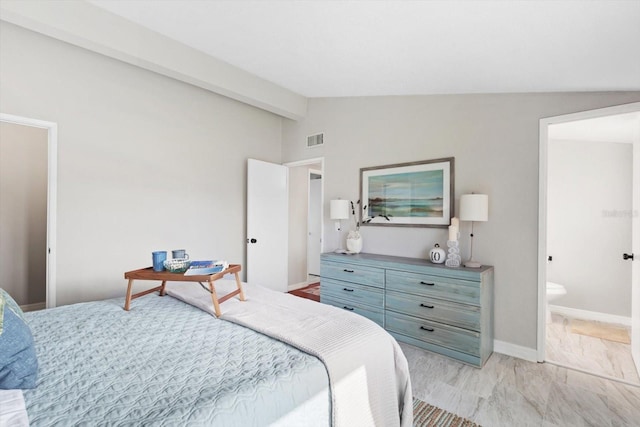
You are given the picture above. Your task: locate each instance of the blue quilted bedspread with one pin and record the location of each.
(167, 363)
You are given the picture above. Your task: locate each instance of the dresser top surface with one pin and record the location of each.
(388, 259)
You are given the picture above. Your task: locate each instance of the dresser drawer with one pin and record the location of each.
(366, 311)
(352, 273)
(435, 333)
(350, 292)
(450, 289)
(460, 315)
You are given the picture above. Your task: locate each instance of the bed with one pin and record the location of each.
(272, 360)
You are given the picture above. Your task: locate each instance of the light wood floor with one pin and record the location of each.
(595, 355)
(512, 392)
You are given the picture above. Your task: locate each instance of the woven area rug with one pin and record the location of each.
(600, 330)
(313, 289)
(311, 292)
(425, 415)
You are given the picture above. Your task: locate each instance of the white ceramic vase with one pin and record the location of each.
(437, 255)
(354, 242)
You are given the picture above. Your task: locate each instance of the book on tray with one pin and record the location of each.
(206, 267)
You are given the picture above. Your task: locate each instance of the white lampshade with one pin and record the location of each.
(474, 207)
(339, 209)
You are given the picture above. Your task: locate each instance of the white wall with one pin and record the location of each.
(23, 212)
(298, 215)
(144, 162)
(494, 139)
(588, 226)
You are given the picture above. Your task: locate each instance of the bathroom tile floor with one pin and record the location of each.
(599, 356)
(512, 392)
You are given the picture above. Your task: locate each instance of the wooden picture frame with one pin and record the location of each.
(415, 194)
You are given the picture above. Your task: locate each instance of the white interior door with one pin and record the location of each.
(314, 237)
(267, 225)
(635, 247)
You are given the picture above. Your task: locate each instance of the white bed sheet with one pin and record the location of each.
(13, 412)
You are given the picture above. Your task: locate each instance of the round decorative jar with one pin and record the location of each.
(437, 255)
(354, 242)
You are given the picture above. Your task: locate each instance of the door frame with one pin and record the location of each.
(542, 204)
(309, 173)
(310, 162)
(52, 173)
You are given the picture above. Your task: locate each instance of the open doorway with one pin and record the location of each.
(305, 222)
(27, 210)
(588, 194)
(314, 225)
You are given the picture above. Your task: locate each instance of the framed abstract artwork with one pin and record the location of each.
(416, 194)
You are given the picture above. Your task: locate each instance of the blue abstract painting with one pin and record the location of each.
(413, 194)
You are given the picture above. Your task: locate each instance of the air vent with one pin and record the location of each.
(315, 140)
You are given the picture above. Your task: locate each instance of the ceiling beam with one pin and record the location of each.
(90, 27)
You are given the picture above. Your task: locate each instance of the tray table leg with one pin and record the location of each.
(239, 286)
(214, 298)
(127, 300)
(164, 283)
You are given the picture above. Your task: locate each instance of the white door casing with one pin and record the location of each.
(267, 224)
(314, 229)
(542, 224)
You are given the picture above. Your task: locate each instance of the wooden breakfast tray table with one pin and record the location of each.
(165, 276)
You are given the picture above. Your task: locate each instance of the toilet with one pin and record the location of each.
(554, 291)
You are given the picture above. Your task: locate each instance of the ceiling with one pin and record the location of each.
(369, 48)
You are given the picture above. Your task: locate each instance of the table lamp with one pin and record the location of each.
(474, 207)
(339, 210)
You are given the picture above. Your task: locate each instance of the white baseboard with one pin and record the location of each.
(590, 315)
(33, 307)
(513, 350)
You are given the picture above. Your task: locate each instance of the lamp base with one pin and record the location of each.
(472, 264)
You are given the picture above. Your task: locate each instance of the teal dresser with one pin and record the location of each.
(441, 309)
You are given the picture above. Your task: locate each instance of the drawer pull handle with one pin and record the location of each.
(348, 290)
(426, 329)
(426, 306)
(348, 271)
(348, 308)
(427, 283)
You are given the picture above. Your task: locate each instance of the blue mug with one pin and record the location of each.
(179, 254)
(158, 260)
